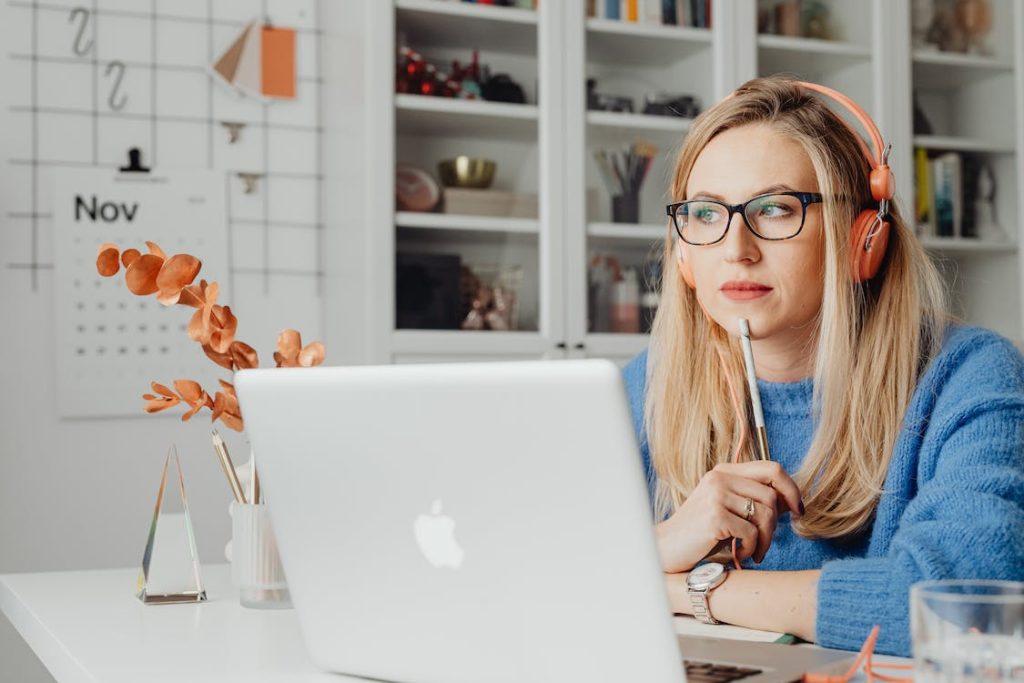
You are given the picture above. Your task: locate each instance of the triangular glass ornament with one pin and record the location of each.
(170, 564)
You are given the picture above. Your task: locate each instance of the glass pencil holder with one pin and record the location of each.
(255, 562)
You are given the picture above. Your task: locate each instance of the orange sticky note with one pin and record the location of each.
(278, 62)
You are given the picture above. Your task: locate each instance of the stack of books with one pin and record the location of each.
(945, 193)
(694, 13)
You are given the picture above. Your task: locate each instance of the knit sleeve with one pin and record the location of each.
(634, 375)
(966, 517)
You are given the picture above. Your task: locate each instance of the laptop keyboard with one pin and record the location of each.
(706, 672)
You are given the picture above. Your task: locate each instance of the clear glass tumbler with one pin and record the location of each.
(255, 562)
(968, 631)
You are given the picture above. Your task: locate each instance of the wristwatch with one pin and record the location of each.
(701, 581)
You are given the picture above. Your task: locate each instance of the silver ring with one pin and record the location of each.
(749, 511)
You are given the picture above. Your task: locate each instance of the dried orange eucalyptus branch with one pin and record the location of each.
(213, 326)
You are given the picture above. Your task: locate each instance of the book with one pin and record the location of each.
(948, 194)
(683, 12)
(668, 12)
(650, 12)
(923, 217)
(611, 9)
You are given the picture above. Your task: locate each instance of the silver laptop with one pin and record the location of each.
(469, 522)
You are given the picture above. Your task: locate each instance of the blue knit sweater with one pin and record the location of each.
(953, 505)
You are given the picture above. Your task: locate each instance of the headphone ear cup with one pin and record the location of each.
(865, 263)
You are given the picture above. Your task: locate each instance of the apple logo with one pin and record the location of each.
(435, 535)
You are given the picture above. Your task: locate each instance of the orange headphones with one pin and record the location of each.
(870, 234)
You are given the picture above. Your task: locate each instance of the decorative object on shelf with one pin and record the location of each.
(427, 291)
(944, 32)
(985, 225)
(464, 171)
(625, 315)
(212, 326)
(170, 563)
(490, 296)
(260, 62)
(787, 18)
(415, 189)
(974, 19)
(623, 172)
(815, 20)
(497, 203)
(415, 75)
(922, 14)
(650, 288)
(684, 106)
(599, 102)
(602, 274)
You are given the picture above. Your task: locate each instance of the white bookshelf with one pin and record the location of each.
(975, 103)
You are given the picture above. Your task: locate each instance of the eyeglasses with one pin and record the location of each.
(778, 216)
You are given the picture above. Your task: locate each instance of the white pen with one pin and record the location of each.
(755, 395)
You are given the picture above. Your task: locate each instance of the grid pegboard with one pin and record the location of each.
(90, 79)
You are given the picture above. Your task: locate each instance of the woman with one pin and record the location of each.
(896, 436)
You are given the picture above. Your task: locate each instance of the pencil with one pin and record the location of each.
(755, 394)
(221, 449)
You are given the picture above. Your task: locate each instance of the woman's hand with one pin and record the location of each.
(715, 512)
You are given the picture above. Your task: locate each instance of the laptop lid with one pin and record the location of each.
(463, 522)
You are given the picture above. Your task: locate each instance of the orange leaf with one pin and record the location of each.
(128, 256)
(177, 272)
(244, 355)
(162, 390)
(191, 296)
(222, 359)
(224, 330)
(189, 390)
(141, 274)
(154, 249)
(312, 355)
(232, 422)
(156, 405)
(106, 260)
(289, 342)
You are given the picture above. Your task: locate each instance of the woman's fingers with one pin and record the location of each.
(730, 525)
(769, 474)
(762, 516)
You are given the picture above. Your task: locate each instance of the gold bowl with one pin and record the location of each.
(466, 172)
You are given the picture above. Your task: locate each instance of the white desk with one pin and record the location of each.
(88, 627)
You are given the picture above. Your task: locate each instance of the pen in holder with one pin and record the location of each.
(623, 172)
(255, 561)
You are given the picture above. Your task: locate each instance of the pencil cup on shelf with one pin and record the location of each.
(255, 561)
(626, 208)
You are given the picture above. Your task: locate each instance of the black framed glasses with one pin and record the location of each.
(775, 216)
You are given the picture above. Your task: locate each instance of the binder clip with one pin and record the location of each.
(134, 162)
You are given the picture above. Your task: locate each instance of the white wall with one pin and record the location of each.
(79, 494)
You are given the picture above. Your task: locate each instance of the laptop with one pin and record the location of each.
(480, 521)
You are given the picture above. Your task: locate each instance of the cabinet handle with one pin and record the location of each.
(579, 346)
(560, 345)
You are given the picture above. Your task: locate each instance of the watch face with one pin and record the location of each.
(705, 574)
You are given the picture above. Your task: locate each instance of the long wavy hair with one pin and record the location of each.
(880, 335)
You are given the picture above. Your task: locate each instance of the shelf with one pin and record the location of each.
(624, 121)
(623, 42)
(425, 115)
(626, 232)
(953, 245)
(465, 342)
(426, 23)
(450, 221)
(613, 344)
(960, 144)
(934, 70)
(787, 54)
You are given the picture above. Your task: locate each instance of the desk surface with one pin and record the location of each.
(87, 626)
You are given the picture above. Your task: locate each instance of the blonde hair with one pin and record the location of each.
(879, 334)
